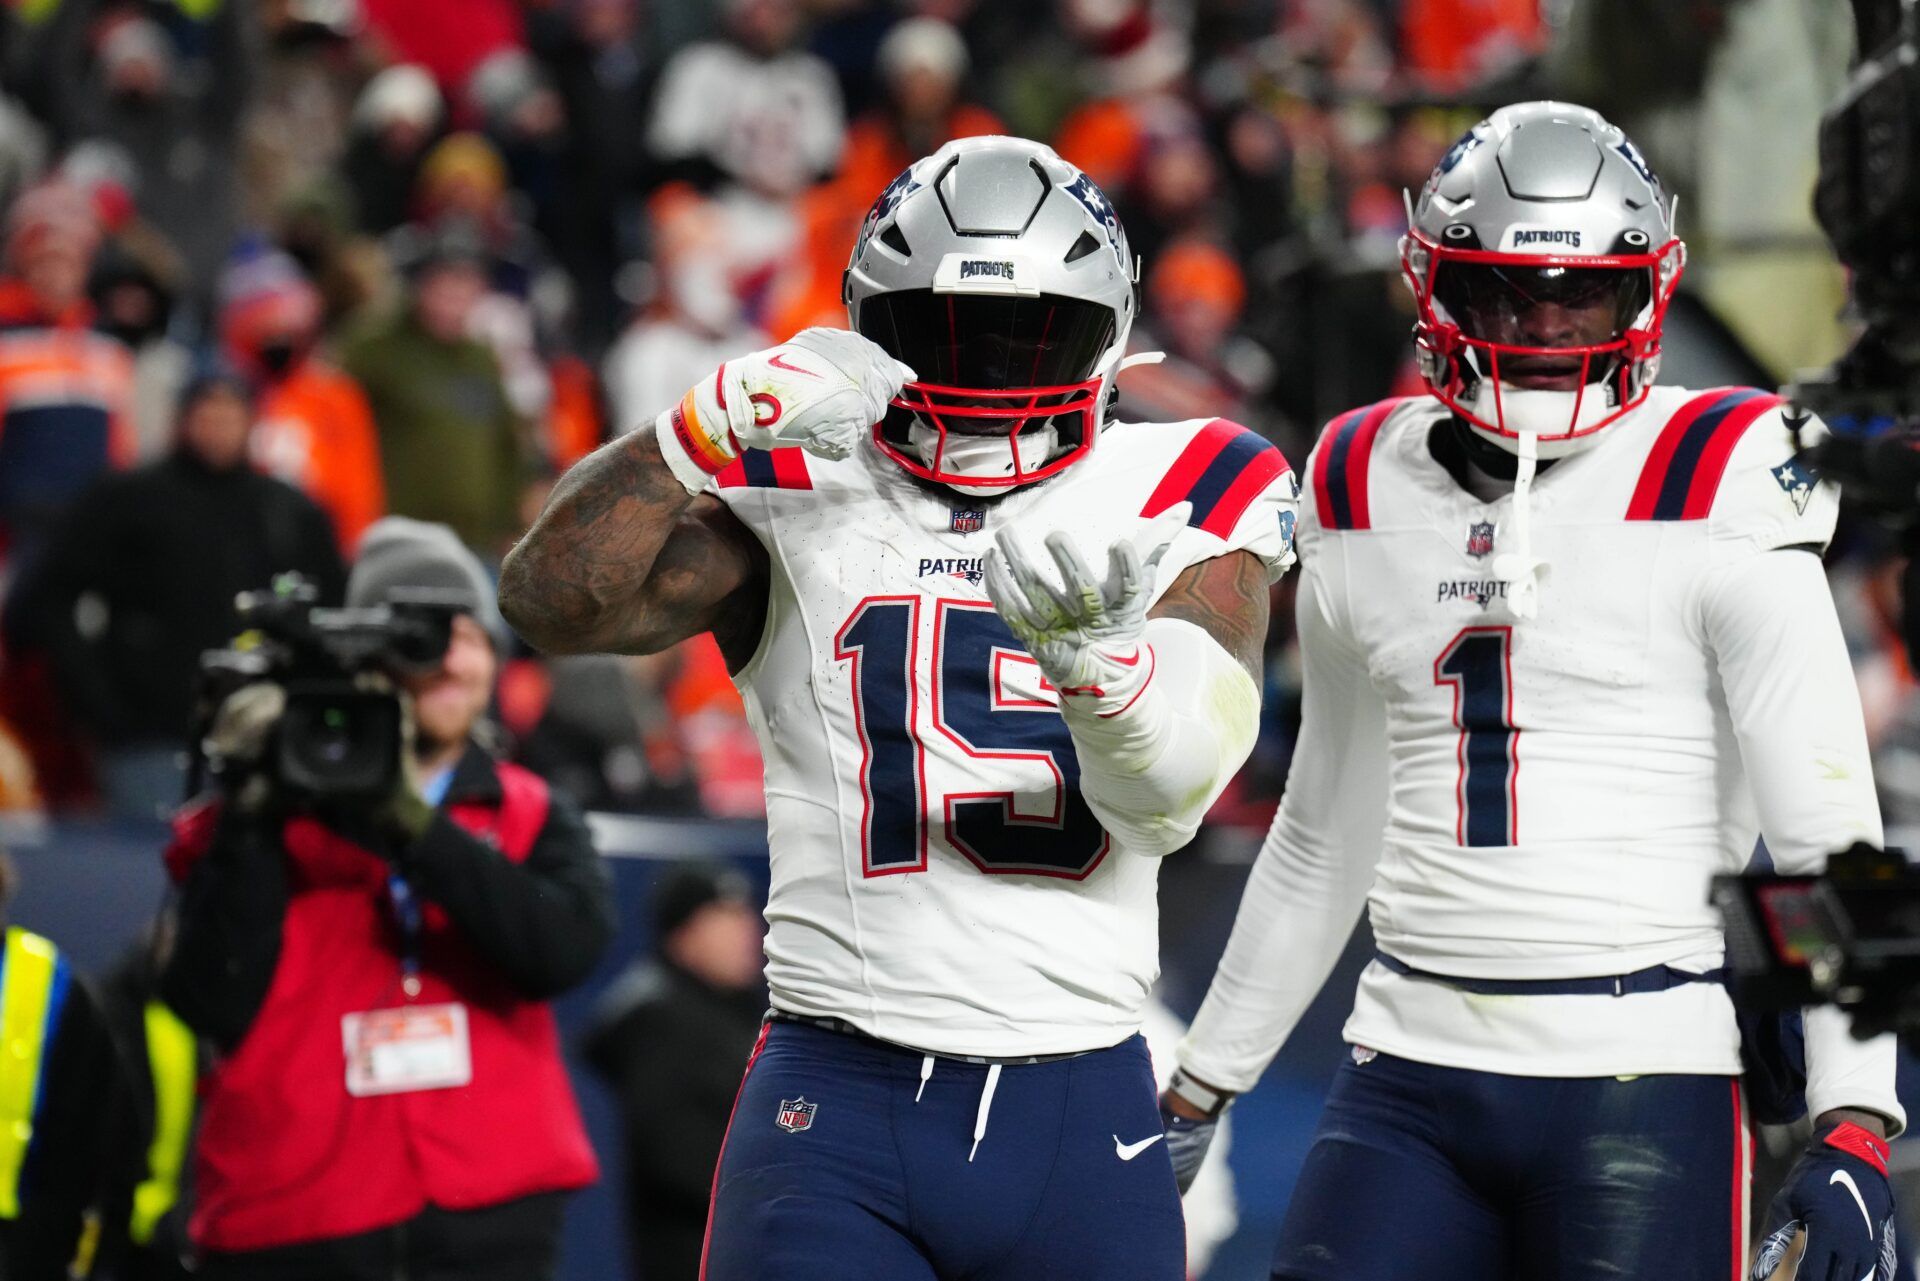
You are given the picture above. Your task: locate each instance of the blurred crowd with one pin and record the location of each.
(275, 268)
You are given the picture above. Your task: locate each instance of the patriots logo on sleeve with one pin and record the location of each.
(1797, 480)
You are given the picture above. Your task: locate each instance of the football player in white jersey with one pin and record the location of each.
(1568, 649)
(1001, 655)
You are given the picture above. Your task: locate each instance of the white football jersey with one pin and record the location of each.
(937, 880)
(1548, 797)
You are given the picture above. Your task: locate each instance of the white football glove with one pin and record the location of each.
(1085, 633)
(820, 390)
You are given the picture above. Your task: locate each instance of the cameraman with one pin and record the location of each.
(388, 1098)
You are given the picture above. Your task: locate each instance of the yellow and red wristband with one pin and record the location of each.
(706, 450)
(695, 449)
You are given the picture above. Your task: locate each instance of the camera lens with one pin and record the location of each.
(336, 740)
(333, 738)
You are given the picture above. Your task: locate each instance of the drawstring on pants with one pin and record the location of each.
(986, 1099)
(986, 1105)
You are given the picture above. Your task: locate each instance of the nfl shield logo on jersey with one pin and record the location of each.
(795, 1115)
(967, 520)
(1480, 538)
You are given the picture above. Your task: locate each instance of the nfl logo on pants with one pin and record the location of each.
(795, 1114)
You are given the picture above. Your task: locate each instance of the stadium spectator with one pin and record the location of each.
(308, 72)
(141, 579)
(604, 64)
(162, 1059)
(1172, 190)
(670, 1038)
(1457, 46)
(66, 401)
(135, 302)
(753, 119)
(755, 109)
(449, 438)
(523, 115)
(443, 918)
(1195, 296)
(395, 121)
(170, 90)
(464, 190)
(693, 319)
(923, 66)
(67, 1140)
(313, 426)
(66, 392)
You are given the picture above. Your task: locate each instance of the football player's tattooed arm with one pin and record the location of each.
(1225, 597)
(624, 560)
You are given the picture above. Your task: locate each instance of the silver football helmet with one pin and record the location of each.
(1000, 273)
(1542, 257)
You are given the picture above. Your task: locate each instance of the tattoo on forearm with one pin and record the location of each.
(596, 542)
(1227, 598)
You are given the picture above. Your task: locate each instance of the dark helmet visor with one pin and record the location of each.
(1491, 301)
(970, 340)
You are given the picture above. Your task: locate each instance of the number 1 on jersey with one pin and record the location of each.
(1478, 665)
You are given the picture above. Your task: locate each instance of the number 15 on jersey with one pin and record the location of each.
(976, 755)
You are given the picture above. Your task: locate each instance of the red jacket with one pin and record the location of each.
(286, 1155)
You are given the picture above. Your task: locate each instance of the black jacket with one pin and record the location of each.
(165, 548)
(84, 1141)
(673, 1050)
(543, 922)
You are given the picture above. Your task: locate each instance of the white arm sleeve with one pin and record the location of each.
(1313, 873)
(1795, 709)
(1152, 770)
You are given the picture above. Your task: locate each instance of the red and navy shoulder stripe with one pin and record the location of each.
(766, 469)
(1221, 471)
(1341, 464)
(1683, 470)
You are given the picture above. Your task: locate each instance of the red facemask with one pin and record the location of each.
(1445, 347)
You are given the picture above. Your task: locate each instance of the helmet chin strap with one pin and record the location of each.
(1517, 566)
(1534, 413)
(984, 456)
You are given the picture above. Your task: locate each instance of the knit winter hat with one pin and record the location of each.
(398, 553)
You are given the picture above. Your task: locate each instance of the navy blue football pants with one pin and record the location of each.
(1443, 1174)
(832, 1170)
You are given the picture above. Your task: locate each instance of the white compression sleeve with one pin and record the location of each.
(1796, 712)
(1151, 769)
(1314, 870)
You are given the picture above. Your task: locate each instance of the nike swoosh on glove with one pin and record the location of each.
(1839, 1193)
(1187, 1144)
(1085, 632)
(821, 390)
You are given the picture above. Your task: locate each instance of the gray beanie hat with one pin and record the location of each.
(397, 553)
